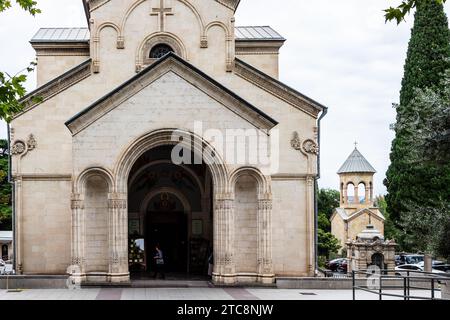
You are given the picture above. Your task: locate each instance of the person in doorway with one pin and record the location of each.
(159, 262)
(211, 264)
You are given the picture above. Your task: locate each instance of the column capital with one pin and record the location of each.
(117, 204)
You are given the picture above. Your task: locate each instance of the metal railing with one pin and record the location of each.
(406, 281)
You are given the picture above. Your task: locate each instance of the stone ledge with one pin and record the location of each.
(34, 282)
(338, 283)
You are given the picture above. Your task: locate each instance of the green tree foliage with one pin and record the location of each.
(426, 224)
(400, 12)
(327, 243)
(5, 189)
(411, 179)
(390, 229)
(323, 222)
(327, 201)
(12, 86)
(427, 229)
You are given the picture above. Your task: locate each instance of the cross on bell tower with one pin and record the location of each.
(162, 12)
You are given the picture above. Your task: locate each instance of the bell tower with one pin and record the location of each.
(356, 181)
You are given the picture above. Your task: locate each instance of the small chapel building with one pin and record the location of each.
(357, 209)
(164, 123)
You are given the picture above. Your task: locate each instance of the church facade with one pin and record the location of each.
(164, 123)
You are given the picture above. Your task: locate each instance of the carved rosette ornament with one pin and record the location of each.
(21, 147)
(18, 148)
(307, 147)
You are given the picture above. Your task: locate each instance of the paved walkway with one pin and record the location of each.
(188, 294)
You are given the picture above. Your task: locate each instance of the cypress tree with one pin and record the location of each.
(410, 181)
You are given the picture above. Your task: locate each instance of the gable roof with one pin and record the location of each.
(356, 163)
(171, 62)
(61, 35)
(375, 212)
(278, 89)
(257, 33)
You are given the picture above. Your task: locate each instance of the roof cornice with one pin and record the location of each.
(232, 4)
(55, 86)
(278, 89)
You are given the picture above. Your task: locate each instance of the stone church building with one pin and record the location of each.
(357, 207)
(95, 152)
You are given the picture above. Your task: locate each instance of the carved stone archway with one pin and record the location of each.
(223, 201)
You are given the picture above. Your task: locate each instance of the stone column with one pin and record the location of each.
(18, 223)
(265, 263)
(367, 199)
(310, 224)
(118, 238)
(224, 264)
(78, 235)
(356, 195)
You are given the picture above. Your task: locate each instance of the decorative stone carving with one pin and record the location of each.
(203, 42)
(310, 146)
(307, 147)
(18, 148)
(96, 66)
(265, 204)
(77, 204)
(31, 142)
(120, 42)
(296, 143)
(117, 204)
(115, 259)
(78, 261)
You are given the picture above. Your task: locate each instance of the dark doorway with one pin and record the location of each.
(5, 252)
(378, 260)
(170, 205)
(169, 230)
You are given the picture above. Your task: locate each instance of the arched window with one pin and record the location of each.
(160, 50)
(351, 193)
(361, 193)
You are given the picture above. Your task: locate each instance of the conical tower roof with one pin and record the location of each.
(356, 163)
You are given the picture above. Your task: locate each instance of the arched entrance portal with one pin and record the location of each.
(169, 205)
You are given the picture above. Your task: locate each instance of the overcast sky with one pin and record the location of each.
(340, 53)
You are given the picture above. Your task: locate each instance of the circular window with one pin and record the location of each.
(159, 51)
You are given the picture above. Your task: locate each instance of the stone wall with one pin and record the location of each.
(97, 221)
(246, 225)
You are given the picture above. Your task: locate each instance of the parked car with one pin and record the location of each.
(333, 265)
(6, 268)
(442, 267)
(343, 266)
(434, 264)
(413, 269)
(408, 259)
